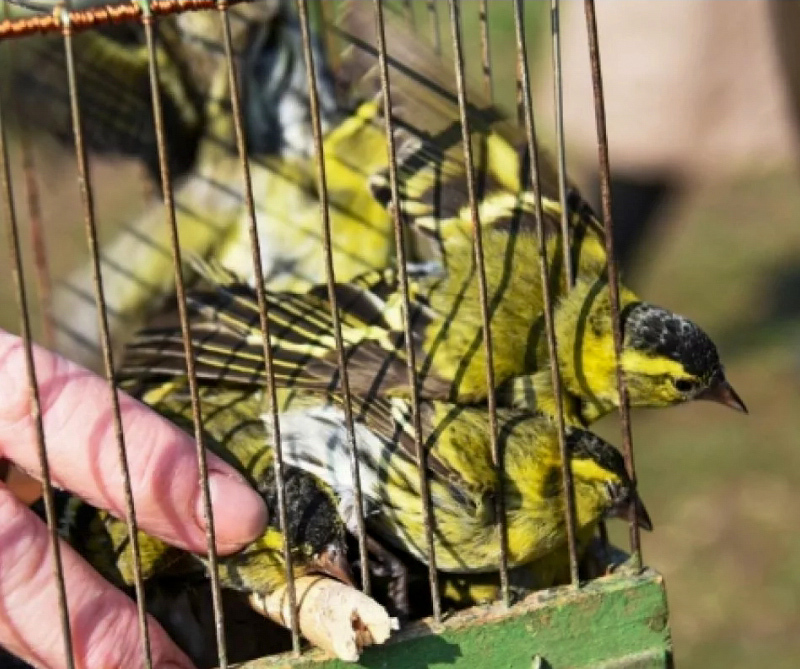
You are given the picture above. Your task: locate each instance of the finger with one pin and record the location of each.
(83, 456)
(103, 621)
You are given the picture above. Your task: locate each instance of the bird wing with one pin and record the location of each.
(227, 339)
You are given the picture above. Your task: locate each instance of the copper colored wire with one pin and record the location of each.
(400, 244)
(613, 273)
(180, 289)
(483, 292)
(552, 344)
(319, 151)
(90, 229)
(264, 321)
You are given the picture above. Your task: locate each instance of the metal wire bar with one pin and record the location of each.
(302, 6)
(486, 54)
(264, 320)
(613, 274)
(400, 244)
(552, 345)
(483, 291)
(93, 17)
(180, 288)
(558, 94)
(433, 17)
(15, 252)
(90, 229)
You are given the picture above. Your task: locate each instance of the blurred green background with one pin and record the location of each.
(722, 488)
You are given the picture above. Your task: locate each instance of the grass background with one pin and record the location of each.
(721, 487)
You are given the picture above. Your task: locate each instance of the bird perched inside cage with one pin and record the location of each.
(200, 140)
(463, 481)
(234, 430)
(666, 358)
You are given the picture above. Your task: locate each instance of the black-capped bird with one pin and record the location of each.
(463, 482)
(666, 358)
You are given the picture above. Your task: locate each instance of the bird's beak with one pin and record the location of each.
(640, 514)
(623, 510)
(332, 561)
(723, 393)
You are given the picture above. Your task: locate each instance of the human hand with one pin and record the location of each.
(83, 458)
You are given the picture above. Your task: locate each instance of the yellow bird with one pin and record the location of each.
(463, 482)
(666, 358)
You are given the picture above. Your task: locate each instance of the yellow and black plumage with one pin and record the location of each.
(431, 160)
(463, 482)
(667, 359)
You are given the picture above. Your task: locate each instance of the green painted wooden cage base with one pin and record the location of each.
(619, 621)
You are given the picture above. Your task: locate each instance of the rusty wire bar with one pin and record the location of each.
(486, 54)
(180, 289)
(264, 320)
(319, 151)
(433, 17)
(94, 17)
(15, 253)
(90, 229)
(483, 292)
(399, 231)
(552, 345)
(558, 94)
(613, 274)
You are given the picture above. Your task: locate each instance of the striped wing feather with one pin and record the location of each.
(228, 345)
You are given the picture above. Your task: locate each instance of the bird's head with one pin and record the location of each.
(603, 488)
(332, 561)
(668, 359)
(315, 526)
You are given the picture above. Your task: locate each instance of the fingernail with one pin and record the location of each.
(239, 511)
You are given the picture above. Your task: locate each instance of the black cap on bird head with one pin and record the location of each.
(621, 491)
(314, 523)
(659, 332)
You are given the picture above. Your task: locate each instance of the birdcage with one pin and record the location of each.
(619, 619)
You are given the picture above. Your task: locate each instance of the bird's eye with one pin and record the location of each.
(684, 385)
